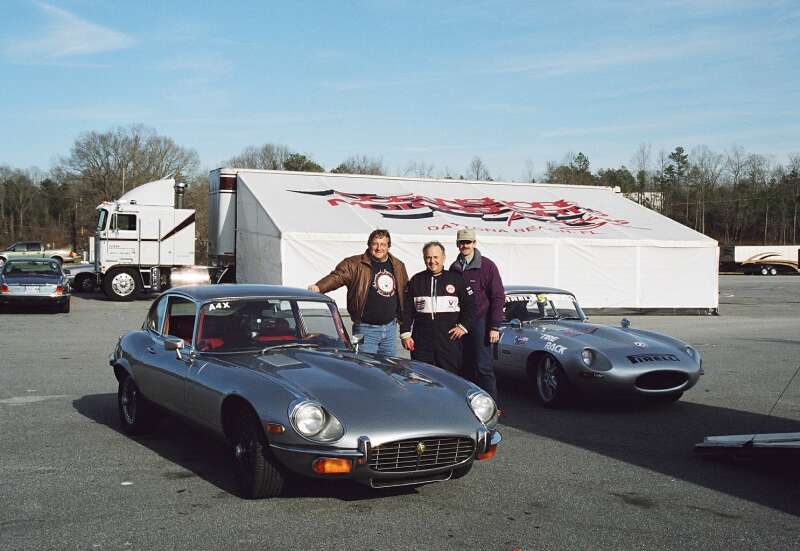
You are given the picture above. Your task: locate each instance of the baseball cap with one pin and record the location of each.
(465, 235)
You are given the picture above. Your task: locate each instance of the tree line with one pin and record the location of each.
(735, 197)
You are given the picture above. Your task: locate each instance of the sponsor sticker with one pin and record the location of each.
(520, 340)
(553, 347)
(548, 338)
(219, 306)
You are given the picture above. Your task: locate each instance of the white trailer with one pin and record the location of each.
(767, 259)
(145, 241)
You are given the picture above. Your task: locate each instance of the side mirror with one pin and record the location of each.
(174, 343)
(355, 340)
(625, 323)
(516, 323)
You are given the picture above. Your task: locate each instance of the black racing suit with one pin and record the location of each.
(434, 304)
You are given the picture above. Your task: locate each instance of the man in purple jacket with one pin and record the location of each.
(481, 275)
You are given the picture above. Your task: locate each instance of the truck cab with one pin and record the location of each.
(142, 239)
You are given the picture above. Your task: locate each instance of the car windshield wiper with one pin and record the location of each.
(273, 348)
(572, 318)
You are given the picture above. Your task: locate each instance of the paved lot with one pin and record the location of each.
(600, 476)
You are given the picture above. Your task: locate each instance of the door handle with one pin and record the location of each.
(150, 349)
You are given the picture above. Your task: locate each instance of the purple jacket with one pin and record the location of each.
(484, 279)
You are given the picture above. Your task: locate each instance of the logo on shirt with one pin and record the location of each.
(384, 283)
(450, 289)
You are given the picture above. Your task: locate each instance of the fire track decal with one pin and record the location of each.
(410, 206)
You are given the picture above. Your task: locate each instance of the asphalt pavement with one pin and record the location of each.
(597, 476)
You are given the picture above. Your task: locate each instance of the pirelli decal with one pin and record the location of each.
(649, 358)
(186, 223)
(436, 305)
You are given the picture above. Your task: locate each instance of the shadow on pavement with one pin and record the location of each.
(210, 459)
(661, 438)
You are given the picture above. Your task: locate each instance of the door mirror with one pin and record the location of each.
(355, 340)
(174, 343)
(516, 323)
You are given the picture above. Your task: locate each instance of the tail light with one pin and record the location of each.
(60, 290)
(4, 288)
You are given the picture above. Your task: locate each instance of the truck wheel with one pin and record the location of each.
(85, 283)
(121, 285)
(773, 271)
(764, 270)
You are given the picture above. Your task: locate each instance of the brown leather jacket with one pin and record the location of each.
(355, 272)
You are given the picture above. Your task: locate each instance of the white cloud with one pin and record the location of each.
(65, 36)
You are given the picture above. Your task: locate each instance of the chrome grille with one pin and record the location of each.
(420, 454)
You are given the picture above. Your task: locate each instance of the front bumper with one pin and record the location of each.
(301, 461)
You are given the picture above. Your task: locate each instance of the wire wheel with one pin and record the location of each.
(552, 386)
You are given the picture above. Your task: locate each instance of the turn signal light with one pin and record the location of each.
(488, 454)
(4, 288)
(275, 428)
(332, 465)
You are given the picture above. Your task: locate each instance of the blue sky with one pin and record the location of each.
(516, 83)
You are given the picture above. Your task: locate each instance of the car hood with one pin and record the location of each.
(372, 394)
(604, 337)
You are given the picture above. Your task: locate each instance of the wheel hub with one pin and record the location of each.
(123, 284)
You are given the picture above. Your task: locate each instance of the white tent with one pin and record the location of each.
(293, 228)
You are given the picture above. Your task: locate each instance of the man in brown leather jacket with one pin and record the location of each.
(375, 283)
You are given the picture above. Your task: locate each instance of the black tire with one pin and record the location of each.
(461, 472)
(57, 259)
(773, 271)
(550, 384)
(764, 270)
(121, 285)
(257, 472)
(135, 413)
(85, 283)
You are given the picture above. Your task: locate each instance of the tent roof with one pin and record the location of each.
(320, 204)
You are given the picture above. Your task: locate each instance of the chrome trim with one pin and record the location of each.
(346, 454)
(365, 447)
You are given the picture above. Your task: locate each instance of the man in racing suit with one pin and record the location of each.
(439, 307)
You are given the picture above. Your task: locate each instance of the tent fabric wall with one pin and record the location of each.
(612, 252)
(259, 239)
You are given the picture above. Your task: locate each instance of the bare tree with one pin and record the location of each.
(265, 157)
(361, 164)
(477, 170)
(419, 169)
(103, 162)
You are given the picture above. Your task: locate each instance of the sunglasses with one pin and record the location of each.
(464, 242)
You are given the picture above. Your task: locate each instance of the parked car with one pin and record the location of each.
(82, 278)
(547, 336)
(272, 371)
(34, 282)
(36, 249)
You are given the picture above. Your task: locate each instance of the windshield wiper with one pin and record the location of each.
(275, 347)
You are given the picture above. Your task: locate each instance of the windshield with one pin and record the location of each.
(257, 324)
(102, 216)
(14, 268)
(526, 306)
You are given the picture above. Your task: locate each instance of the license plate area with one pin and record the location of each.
(31, 290)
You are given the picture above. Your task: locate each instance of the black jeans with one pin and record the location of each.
(477, 361)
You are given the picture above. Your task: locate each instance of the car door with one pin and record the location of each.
(163, 373)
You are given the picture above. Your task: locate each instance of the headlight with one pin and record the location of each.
(691, 352)
(588, 357)
(482, 406)
(313, 421)
(308, 419)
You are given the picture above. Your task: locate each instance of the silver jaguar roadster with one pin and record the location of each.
(272, 371)
(547, 336)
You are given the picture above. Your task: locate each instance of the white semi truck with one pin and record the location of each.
(145, 241)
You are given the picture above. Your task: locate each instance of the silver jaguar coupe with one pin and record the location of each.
(273, 372)
(548, 337)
